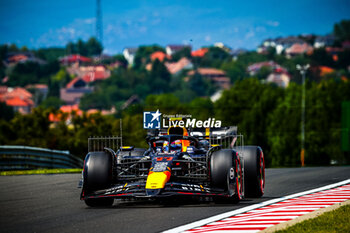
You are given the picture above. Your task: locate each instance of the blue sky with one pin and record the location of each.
(239, 24)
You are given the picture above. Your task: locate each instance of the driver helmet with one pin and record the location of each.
(165, 146)
(176, 145)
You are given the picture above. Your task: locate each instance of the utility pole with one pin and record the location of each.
(302, 69)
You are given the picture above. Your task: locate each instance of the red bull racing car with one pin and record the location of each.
(178, 162)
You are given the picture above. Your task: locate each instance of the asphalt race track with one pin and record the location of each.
(50, 203)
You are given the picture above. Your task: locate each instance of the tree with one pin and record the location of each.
(71, 48)
(6, 112)
(201, 108)
(93, 47)
(215, 57)
(57, 81)
(81, 48)
(185, 52)
(199, 85)
(159, 78)
(236, 70)
(320, 57)
(283, 132)
(342, 30)
(50, 54)
(143, 53)
(263, 72)
(52, 102)
(166, 103)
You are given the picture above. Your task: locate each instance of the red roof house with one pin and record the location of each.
(199, 53)
(159, 55)
(73, 58)
(217, 76)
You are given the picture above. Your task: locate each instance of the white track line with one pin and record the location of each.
(251, 207)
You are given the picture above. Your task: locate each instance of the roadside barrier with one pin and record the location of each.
(26, 157)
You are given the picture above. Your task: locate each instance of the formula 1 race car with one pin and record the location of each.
(179, 162)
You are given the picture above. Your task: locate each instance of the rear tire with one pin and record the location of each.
(98, 175)
(226, 173)
(254, 171)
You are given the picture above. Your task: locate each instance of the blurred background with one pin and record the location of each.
(279, 70)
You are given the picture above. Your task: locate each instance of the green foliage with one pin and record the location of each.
(201, 108)
(143, 53)
(93, 47)
(263, 73)
(320, 57)
(236, 70)
(6, 112)
(199, 85)
(124, 83)
(166, 103)
(90, 48)
(60, 79)
(185, 52)
(52, 102)
(335, 221)
(215, 57)
(159, 78)
(342, 30)
(50, 54)
(271, 117)
(31, 73)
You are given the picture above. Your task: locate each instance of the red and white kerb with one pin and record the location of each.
(260, 216)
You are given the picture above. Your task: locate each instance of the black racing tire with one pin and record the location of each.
(222, 163)
(254, 171)
(98, 174)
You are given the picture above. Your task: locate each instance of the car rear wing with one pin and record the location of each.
(213, 132)
(97, 143)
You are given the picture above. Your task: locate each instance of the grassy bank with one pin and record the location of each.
(334, 221)
(41, 171)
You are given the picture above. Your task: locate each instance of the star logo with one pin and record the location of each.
(155, 115)
(151, 120)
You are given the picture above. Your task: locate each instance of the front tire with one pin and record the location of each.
(98, 170)
(226, 173)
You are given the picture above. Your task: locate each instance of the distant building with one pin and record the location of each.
(324, 41)
(74, 90)
(324, 70)
(280, 44)
(68, 109)
(255, 68)
(134, 99)
(18, 98)
(236, 52)
(40, 91)
(199, 53)
(223, 47)
(297, 49)
(14, 58)
(217, 76)
(129, 54)
(175, 68)
(74, 58)
(89, 73)
(171, 49)
(346, 44)
(159, 55)
(279, 77)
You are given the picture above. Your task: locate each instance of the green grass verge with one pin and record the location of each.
(334, 221)
(41, 171)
